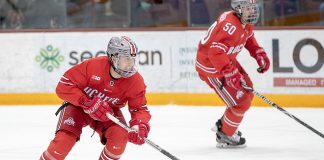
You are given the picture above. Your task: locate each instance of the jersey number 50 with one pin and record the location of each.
(229, 28)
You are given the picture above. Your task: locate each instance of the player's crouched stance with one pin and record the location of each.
(95, 87)
(217, 66)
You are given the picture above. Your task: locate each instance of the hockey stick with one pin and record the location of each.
(114, 119)
(281, 109)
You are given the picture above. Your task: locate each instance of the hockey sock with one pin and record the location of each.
(60, 146)
(107, 155)
(230, 122)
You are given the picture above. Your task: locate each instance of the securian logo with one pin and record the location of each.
(49, 58)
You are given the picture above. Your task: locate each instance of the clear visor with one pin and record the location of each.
(126, 65)
(250, 13)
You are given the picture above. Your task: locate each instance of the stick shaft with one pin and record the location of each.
(283, 110)
(114, 119)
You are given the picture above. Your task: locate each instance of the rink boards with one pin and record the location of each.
(32, 63)
(192, 99)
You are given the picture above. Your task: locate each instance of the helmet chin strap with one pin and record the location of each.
(114, 74)
(243, 22)
(239, 14)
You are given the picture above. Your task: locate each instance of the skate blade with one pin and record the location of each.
(227, 146)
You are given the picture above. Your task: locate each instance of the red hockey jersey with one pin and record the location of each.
(224, 39)
(92, 78)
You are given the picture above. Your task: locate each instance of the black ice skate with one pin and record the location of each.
(224, 141)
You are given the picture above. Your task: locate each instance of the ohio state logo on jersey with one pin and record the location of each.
(70, 121)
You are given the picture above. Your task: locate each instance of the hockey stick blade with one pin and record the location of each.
(260, 69)
(281, 109)
(127, 128)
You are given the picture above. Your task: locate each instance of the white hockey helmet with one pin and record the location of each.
(247, 10)
(125, 52)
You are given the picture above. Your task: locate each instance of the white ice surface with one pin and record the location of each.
(183, 131)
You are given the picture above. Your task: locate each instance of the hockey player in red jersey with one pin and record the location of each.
(217, 65)
(95, 87)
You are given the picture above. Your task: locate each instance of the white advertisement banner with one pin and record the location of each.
(34, 62)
